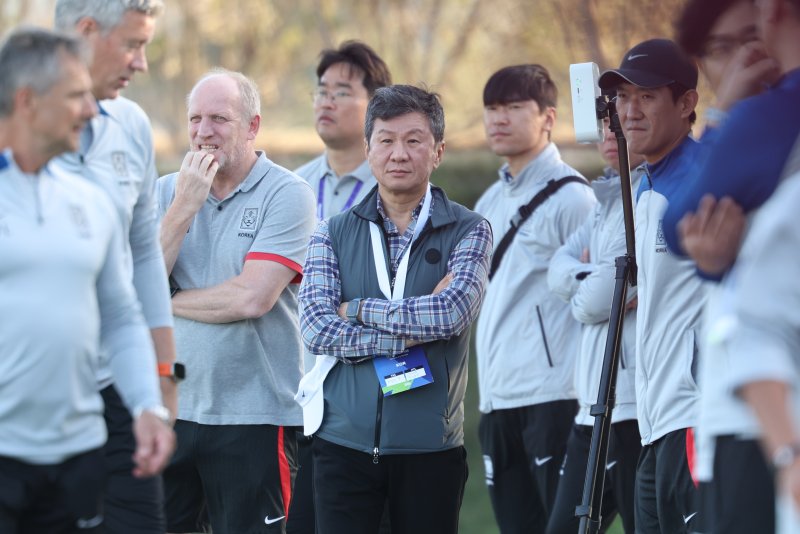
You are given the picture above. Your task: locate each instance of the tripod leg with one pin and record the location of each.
(589, 509)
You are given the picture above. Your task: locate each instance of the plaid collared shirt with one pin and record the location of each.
(386, 325)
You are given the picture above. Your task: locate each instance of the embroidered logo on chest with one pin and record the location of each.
(249, 219)
(661, 242)
(120, 163)
(78, 218)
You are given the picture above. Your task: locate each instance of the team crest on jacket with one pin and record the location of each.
(120, 163)
(661, 242)
(79, 220)
(249, 218)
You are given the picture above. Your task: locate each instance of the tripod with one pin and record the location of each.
(589, 509)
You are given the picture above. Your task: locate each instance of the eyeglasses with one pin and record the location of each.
(320, 95)
(725, 45)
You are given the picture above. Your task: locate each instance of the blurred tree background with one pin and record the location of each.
(452, 46)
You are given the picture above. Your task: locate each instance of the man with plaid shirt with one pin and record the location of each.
(390, 288)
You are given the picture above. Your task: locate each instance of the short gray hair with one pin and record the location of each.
(396, 100)
(107, 13)
(32, 57)
(248, 91)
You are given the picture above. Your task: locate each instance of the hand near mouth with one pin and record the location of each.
(194, 179)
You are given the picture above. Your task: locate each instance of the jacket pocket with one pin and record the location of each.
(544, 336)
(690, 351)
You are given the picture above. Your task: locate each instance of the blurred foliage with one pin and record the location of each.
(452, 46)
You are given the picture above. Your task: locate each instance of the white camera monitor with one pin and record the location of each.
(583, 79)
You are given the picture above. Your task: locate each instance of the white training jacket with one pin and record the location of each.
(764, 342)
(120, 159)
(526, 338)
(671, 300)
(590, 297)
(65, 289)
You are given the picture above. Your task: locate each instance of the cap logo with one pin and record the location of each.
(631, 58)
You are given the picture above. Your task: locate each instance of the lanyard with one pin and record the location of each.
(321, 197)
(396, 293)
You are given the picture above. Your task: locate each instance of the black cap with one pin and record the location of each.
(651, 64)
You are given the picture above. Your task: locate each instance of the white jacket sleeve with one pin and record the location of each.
(591, 303)
(149, 271)
(566, 264)
(765, 341)
(124, 333)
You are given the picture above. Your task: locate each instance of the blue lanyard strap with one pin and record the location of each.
(321, 197)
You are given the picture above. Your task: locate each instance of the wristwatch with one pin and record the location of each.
(159, 411)
(785, 455)
(175, 370)
(353, 307)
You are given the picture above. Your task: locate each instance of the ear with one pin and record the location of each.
(549, 118)
(438, 153)
(366, 147)
(86, 27)
(24, 100)
(254, 127)
(688, 103)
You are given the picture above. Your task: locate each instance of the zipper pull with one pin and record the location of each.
(375, 454)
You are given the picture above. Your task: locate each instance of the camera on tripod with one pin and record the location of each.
(589, 108)
(589, 105)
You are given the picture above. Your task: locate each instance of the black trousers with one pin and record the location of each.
(666, 495)
(237, 478)
(740, 499)
(132, 505)
(65, 498)
(522, 453)
(623, 456)
(424, 491)
(301, 512)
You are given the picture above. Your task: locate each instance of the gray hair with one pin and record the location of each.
(33, 57)
(396, 100)
(248, 91)
(107, 13)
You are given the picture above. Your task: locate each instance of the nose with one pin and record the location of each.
(139, 62)
(631, 110)
(89, 107)
(324, 102)
(399, 152)
(204, 128)
(499, 116)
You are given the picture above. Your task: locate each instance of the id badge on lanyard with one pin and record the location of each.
(411, 371)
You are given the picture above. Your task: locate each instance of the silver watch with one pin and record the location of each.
(159, 411)
(785, 455)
